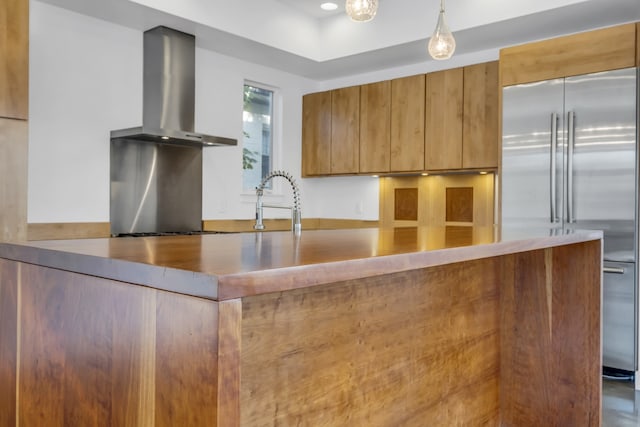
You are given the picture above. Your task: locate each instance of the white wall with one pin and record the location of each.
(86, 80)
(83, 74)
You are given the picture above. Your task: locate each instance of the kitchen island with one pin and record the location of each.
(366, 327)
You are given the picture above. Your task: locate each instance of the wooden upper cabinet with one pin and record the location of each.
(589, 52)
(443, 120)
(407, 123)
(375, 127)
(14, 58)
(638, 44)
(481, 116)
(345, 130)
(316, 134)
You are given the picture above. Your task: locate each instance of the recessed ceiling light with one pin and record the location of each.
(328, 6)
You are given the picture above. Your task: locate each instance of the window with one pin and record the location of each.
(257, 141)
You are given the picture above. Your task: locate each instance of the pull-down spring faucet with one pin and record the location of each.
(296, 215)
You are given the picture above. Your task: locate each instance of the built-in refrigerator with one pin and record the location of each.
(569, 161)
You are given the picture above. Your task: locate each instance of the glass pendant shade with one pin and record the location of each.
(442, 44)
(361, 10)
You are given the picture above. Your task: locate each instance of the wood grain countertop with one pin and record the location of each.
(226, 266)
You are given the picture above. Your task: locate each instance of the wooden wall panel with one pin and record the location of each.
(589, 52)
(432, 200)
(13, 180)
(550, 353)
(405, 204)
(14, 59)
(412, 349)
(9, 339)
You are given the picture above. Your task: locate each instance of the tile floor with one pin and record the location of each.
(620, 404)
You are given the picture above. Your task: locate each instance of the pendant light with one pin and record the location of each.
(361, 10)
(442, 44)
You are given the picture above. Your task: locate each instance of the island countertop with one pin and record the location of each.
(377, 327)
(226, 266)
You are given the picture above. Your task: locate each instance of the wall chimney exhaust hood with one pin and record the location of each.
(169, 93)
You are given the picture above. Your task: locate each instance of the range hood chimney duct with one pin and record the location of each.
(169, 92)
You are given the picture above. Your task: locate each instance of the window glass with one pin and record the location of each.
(257, 141)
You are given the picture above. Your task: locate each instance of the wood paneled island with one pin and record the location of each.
(451, 326)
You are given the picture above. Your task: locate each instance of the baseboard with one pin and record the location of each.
(243, 225)
(90, 230)
(67, 230)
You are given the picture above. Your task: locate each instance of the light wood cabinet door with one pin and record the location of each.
(14, 59)
(345, 130)
(481, 116)
(443, 120)
(375, 127)
(638, 44)
(407, 123)
(316, 134)
(589, 52)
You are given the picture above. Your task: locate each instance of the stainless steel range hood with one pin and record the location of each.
(169, 93)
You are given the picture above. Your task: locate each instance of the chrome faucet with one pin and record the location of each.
(296, 215)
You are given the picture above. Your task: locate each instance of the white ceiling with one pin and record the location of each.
(296, 36)
(312, 7)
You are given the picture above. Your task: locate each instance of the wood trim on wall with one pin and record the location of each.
(68, 230)
(93, 230)
(244, 225)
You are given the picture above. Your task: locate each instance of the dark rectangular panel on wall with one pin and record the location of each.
(406, 204)
(459, 204)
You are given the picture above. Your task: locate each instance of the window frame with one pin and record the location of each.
(276, 191)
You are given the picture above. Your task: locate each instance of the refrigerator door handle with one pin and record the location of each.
(613, 270)
(552, 167)
(571, 128)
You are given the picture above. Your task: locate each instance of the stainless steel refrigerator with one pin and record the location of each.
(569, 161)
